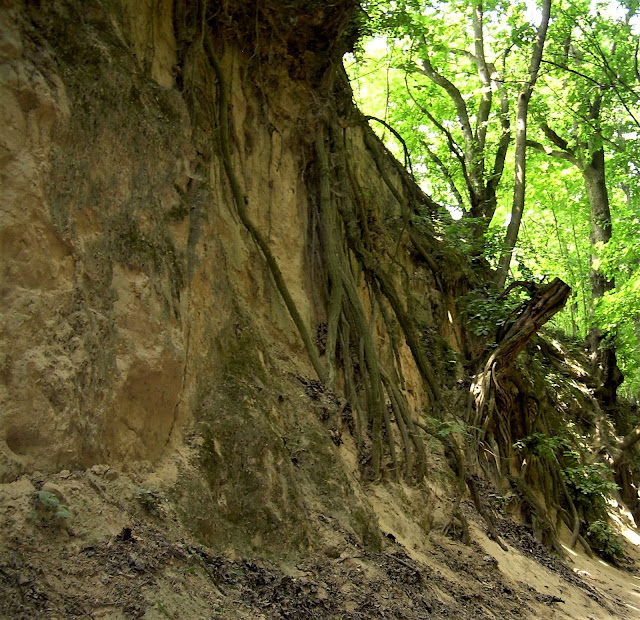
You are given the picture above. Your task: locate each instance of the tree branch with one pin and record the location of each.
(554, 138)
(463, 116)
(484, 109)
(569, 70)
(557, 154)
(407, 157)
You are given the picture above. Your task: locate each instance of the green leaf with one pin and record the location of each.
(63, 512)
(48, 499)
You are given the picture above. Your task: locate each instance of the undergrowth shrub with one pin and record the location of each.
(49, 509)
(603, 540)
(486, 310)
(589, 486)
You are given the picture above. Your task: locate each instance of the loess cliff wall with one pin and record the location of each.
(229, 334)
(141, 324)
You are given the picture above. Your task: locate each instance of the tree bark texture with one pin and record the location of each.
(544, 303)
(605, 365)
(521, 148)
(601, 229)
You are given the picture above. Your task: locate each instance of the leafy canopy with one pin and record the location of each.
(420, 70)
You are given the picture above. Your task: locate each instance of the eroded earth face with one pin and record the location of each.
(165, 450)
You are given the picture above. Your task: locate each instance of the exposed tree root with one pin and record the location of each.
(382, 283)
(456, 515)
(465, 480)
(341, 279)
(344, 205)
(547, 530)
(369, 316)
(241, 207)
(576, 521)
(627, 442)
(483, 512)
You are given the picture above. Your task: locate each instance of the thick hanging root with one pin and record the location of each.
(342, 280)
(575, 525)
(568, 522)
(413, 444)
(241, 208)
(388, 290)
(465, 479)
(539, 511)
(456, 515)
(349, 382)
(400, 419)
(483, 512)
(458, 466)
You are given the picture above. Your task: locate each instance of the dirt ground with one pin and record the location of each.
(108, 547)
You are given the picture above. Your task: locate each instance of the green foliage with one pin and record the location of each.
(48, 499)
(441, 429)
(151, 501)
(49, 507)
(486, 310)
(468, 236)
(589, 485)
(618, 312)
(541, 445)
(604, 540)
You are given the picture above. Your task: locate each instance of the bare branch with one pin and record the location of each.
(461, 109)
(614, 77)
(407, 157)
(557, 154)
(555, 139)
(465, 53)
(569, 70)
(484, 109)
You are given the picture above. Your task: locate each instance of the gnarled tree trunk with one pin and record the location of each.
(605, 367)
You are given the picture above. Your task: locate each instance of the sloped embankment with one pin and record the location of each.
(228, 330)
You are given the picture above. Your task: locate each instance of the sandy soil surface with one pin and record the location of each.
(122, 553)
